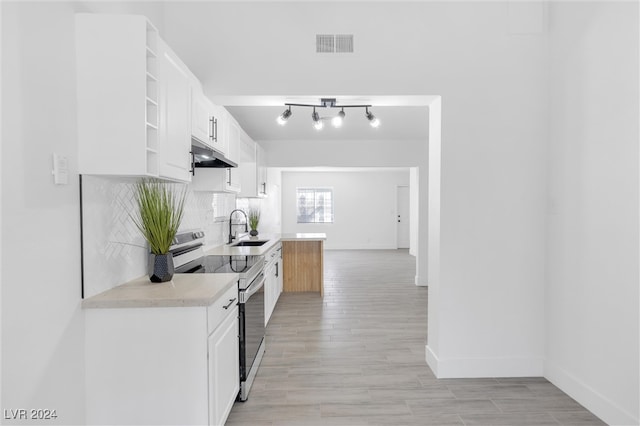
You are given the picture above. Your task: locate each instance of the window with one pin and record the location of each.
(315, 205)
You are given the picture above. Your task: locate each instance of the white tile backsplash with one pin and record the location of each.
(113, 248)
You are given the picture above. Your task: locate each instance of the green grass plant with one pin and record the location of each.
(254, 217)
(160, 210)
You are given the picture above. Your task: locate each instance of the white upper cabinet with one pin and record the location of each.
(222, 179)
(117, 94)
(139, 106)
(202, 122)
(253, 167)
(262, 171)
(219, 120)
(175, 122)
(126, 79)
(233, 137)
(209, 122)
(214, 179)
(248, 166)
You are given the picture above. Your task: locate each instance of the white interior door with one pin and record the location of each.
(403, 217)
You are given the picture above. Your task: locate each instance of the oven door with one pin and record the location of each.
(251, 325)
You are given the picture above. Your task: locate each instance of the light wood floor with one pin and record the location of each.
(357, 357)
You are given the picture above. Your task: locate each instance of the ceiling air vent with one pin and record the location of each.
(344, 43)
(324, 43)
(334, 43)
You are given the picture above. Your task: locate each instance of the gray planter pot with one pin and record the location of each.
(160, 267)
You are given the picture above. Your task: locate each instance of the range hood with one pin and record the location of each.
(207, 157)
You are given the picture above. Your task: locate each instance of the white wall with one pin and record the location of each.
(42, 323)
(367, 153)
(114, 250)
(492, 75)
(365, 204)
(489, 65)
(346, 153)
(591, 296)
(42, 346)
(413, 210)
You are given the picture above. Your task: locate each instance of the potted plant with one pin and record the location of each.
(159, 213)
(254, 219)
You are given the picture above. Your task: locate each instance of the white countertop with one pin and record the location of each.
(182, 291)
(304, 236)
(272, 240)
(189, 289)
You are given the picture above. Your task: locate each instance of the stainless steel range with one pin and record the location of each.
(188, 257)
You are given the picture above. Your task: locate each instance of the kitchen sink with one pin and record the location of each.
(250, 243)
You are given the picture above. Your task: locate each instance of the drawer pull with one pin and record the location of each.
(230, 303)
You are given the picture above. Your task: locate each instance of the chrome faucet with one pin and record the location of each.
(231, 224)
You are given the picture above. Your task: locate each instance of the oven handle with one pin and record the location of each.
(253, 288)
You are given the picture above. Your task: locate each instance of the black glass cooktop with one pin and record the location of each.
(230, 264)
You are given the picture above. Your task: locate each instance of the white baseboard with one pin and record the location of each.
(432, 360)
(595, 402)
(483, 367)
(358, 247)
(419, 283)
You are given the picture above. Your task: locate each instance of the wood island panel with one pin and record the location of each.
(303, 266)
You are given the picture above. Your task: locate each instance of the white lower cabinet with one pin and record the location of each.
(224, 367)
(270, 288)
(273, 282)
(174, 365)
(280, 275)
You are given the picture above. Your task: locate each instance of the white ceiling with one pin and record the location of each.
(268, 49)
(397, 123)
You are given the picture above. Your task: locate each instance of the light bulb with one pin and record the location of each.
(338, 119)
(282, 118)
(317, 123)
(373, 121)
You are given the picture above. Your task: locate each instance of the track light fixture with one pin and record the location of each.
(282, 118)
(336, 121)
(373, 120)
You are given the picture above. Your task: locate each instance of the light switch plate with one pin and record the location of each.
(60, 169)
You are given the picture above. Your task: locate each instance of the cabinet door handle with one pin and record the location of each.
(193, 163)
(264, 188)
(213, 129)
(277, 269)
(229, 179)
(230, 303)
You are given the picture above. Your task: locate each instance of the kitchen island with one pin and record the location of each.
(303, 259)
(302, 255)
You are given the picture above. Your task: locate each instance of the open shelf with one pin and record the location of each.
(152, 162)
(152, 114)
